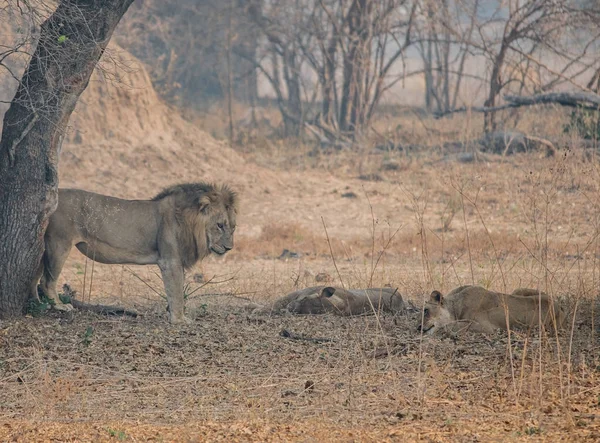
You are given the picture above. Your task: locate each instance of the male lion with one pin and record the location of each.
(178, 227)
(484, 311)
(344, 302)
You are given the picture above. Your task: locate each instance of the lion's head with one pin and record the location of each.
(207, 216)
(219, 209)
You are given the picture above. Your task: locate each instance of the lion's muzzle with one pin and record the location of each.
(219, 249)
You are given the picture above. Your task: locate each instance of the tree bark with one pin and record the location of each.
(329, 86)
(291, 74)
(71, 42)
(489, 124)
(230, 75)
(355, 63)
(428, 62)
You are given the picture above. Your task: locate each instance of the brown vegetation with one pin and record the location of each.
(404, 207)
(502, 222)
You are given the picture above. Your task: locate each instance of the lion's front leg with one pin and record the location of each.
(172, 275)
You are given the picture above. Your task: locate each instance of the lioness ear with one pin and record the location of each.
(327, 292)
(437, 297)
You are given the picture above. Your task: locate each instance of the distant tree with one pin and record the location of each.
(516, 38)
(71, 41)
(527, 46)
(442, 39)
(352, 48)
(191, 48)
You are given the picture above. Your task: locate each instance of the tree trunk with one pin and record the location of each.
(294, 118)
(355, 62)
(329, 105)
(489, 124)
(446, 57)
(230, 75)
(428, 62)
(346, 101)
(71, 42)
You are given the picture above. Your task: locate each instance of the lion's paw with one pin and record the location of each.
(183, 320)
(63, 307)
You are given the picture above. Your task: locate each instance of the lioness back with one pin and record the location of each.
(522, 306)
(489, 310)
(339, 301)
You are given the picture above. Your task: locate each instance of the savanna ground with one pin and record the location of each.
(413, 219)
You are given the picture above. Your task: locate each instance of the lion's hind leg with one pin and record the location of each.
(33, 291)
(53, 261)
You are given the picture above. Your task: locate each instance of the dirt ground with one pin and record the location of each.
(233, 376)
(416, 221)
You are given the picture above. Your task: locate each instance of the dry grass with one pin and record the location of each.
(430, 222)
(376, 377)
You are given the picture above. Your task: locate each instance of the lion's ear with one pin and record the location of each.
(204, 203)
(207, 199)
(437, 297)
(230, 199)
(327, 292)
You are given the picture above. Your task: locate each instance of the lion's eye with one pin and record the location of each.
(220, 226)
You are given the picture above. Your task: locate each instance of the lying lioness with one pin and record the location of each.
(484, 311)
(344, 302)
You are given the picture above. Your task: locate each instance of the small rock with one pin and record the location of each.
(371, 177)
(466, 157)
(323, 277)
(288, 254)
(77, 139)
(309, 386)
(390, 165)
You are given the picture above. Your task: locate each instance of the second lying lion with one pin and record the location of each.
(485, 311)
(344, 302)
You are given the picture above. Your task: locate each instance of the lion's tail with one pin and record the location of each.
(43, 273)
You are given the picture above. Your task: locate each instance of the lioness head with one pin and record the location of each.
(435, 314)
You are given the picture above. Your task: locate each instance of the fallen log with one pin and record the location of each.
(583, 100)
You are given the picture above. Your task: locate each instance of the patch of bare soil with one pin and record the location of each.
(235, 377)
